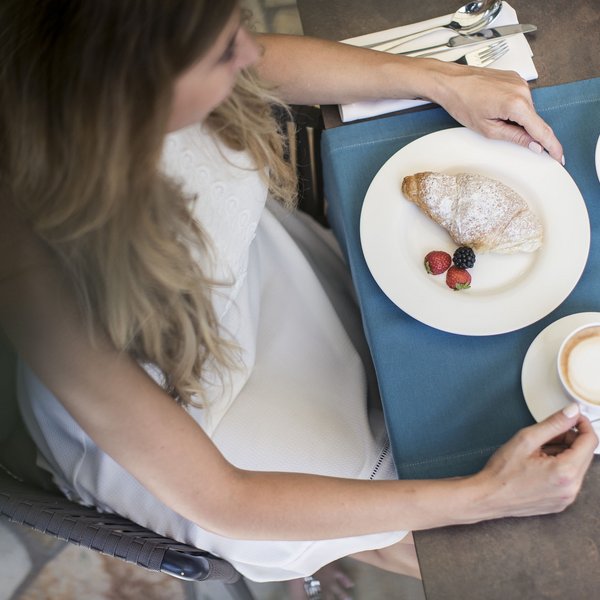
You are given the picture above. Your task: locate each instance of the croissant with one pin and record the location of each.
(477, 211)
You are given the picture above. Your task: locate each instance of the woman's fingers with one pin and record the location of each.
(499, 105)
(561, 442)
(581, 450)
(523, 126)
(559, 426)
(541, 469)
(540, 434)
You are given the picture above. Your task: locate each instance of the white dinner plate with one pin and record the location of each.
(542, 389)
(508, 291)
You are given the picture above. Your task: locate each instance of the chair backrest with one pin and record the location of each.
(8, 408)
(51, 513)
(302, 128)
(17, 449)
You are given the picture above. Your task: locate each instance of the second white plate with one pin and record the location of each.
(508, 291)
(598, 158)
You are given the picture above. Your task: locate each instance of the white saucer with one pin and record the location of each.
(542, 389)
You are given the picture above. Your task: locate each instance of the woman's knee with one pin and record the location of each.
(400, 557)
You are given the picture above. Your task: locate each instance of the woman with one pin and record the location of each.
(182, 363)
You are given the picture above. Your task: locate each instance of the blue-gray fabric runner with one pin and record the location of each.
(448, 421)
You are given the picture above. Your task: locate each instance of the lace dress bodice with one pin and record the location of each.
(230, 198)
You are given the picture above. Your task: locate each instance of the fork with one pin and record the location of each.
(484, 56)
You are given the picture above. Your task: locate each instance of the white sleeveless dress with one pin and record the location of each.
(298, 403)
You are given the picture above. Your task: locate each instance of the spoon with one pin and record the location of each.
(470, 18)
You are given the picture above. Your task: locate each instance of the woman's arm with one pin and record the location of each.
(496, 103)
(141, 427)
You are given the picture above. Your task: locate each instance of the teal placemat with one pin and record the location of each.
(449, 423)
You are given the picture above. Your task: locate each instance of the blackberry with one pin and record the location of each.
(464, 257)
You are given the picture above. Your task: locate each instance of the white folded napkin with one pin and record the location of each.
(518, 59)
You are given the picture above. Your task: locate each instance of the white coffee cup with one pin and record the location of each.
(578, 365)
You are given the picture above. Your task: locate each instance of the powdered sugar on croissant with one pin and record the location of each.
(477, 211)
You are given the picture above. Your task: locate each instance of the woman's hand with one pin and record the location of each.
(523, 478)
(497, 104)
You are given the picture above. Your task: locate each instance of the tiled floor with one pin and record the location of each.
(37, 567)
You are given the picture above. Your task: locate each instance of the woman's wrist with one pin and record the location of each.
(469, 500)
(482, 494)
(432, 78)
(465, 500)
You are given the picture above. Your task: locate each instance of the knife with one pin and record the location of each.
(474, 38)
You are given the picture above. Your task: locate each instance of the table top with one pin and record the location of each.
(552, 556)
(443, 425)
(564, 49)
(542, 557)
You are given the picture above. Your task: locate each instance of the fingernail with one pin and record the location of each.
(571, 410)
(535, 147)
(562, 160)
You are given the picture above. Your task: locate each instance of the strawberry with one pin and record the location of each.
(437, 262)
(458, 279)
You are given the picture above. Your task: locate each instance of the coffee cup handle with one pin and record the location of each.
(590, 413)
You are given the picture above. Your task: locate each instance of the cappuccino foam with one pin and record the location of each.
(581, 365)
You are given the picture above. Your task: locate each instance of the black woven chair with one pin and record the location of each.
(28, 497)
(303, 127)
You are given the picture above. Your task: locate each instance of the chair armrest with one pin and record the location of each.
(53, 514)
(197, 566)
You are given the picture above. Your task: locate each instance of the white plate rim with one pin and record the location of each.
(465, 312)
(598, 158)
(541, 386)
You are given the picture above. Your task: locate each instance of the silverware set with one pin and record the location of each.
(471, 23)
(470, 18)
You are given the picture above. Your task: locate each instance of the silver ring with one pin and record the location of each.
(312, 587)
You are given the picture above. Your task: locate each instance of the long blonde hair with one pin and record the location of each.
(85, 94)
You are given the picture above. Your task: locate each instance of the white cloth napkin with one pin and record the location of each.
(518, 59)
